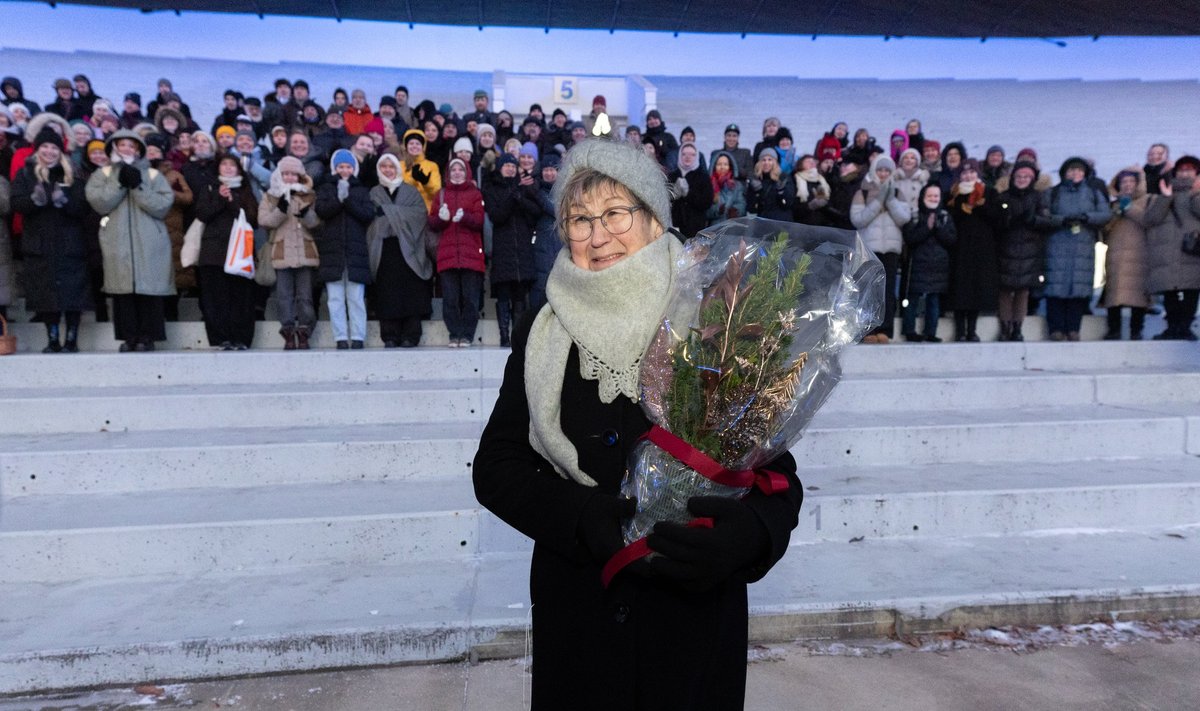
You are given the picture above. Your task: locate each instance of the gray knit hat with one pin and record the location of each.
(627, 165)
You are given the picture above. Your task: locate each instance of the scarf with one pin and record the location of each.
(720, 182)
(812, 175)
(233, 182)
(610, 316)
(404, 218)
(974, 192)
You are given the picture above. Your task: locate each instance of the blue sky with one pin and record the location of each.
(589, 52)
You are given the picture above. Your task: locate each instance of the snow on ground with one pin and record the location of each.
(1012, 639)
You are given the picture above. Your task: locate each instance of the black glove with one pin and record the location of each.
(302, 211)
(129, 177)
(600, 525)
(283, 204)
(56, 174)
(419, 175)
(700, 557)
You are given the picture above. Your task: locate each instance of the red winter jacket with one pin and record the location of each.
(461, 243)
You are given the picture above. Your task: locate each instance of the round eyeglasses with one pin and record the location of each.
(617, 220)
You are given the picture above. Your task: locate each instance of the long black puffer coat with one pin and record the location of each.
(641, 643)
(342, 238)
(1020, 243)
(218, 216)
(514, 210)
(929, 252)
(55, 276)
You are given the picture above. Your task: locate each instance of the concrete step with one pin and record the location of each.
(190, 336)
(122, 631)
(49, 464)
(260, 368)
(82, 409)
(467, 397)
(194, 532)
(130, 462)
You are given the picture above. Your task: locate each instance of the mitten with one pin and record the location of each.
(58, 197)
(444, 213)
(38, 196)
(56, 174)
(599, 527)
(343, 190)
(458, 215)
(283, 204)
(755, 184)
(302, 212)
(682, 184)
(701, 558)
(130, 177)
(420, 175)
(560, 148)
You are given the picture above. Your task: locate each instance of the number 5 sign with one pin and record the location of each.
(566, 90)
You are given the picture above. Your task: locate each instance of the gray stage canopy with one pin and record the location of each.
(917, 18)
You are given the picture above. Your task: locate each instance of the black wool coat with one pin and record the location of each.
(641, 643)
(218, 216)
(514, 210)
(975, 267)
(55, 277)
(1021, 245)
(929, 252)
(342, 238)
(689, 214)
(774, 200)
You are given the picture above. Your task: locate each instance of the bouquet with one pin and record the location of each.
(745, 355)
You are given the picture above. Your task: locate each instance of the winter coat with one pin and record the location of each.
(729, 201)
(546, 241)
(879, 213)
(909, 186)
(666, 148)
(7, 277)
(743, 162)
(328, 140)
(55, 267)
(991, 176)
(185, 277)
(218, 215)
(1071, 246)
(514, 210)
(842, 190)
(342, 241)
(689, 213)
(400, 215)
(1126, 264)
(771, 199)
(460, 245)
(291, 230)
(1020, 242)
(975, 268)
(14, 82)
(640, 643)
(357, 119)
(133, 235)
(929, 251)
(1167, 219)
(812, 196)
(433, 184)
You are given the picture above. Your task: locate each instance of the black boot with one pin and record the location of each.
(971, 335)
(1137, 321)
(1015, 335)
(1114, 324)
(52, 336)
(72, 342)
(1005, 331)
(503, 319)
(960, 327)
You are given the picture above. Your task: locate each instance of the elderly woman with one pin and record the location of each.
(669, 632)
(400, 264)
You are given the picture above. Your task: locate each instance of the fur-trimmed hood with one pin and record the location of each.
(1114, 189)
(166, 111)
(42, 121)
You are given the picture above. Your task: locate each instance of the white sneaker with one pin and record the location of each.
(464, 343)
(452, 343)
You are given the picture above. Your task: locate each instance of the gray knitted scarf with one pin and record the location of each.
(610, 316)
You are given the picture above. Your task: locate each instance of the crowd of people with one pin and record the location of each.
(380, 208)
